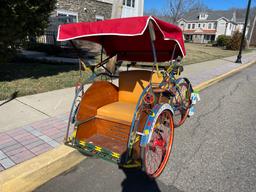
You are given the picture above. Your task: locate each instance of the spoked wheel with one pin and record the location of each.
(156, 153)
(181, 103)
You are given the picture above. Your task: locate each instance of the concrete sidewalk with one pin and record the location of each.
(34, 124)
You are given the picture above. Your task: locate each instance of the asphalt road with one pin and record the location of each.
(215, 150)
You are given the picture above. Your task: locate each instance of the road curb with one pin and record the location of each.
(31, 174)
(214, 80)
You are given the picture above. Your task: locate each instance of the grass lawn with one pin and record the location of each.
(197, 53)
(32, 78)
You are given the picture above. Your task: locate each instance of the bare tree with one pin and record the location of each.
(177, 8)
(154, 12)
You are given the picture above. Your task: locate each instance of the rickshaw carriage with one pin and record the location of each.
(132, 123)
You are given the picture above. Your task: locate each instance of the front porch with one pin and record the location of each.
(200, 35)
(199, 38)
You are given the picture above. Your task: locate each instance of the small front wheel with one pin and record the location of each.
(156, 153)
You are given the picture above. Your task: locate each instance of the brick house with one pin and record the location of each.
(83, 10)
(207, 26)
(69, 11)
(95, 10)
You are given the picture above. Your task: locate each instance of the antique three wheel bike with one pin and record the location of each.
(131, 123)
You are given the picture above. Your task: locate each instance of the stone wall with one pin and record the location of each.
(86, 9)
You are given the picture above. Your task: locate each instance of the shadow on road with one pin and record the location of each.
(137, 180)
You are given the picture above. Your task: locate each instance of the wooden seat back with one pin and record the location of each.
(132, 84)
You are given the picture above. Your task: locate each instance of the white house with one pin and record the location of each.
(207, 26)
(127, 8)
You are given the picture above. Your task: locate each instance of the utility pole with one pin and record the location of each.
(239, 56)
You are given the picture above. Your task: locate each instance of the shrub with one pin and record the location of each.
(20, 20)
(223, 40)
(235, 41)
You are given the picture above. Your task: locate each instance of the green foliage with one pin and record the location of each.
(235, 41)
(223, 40)
(21, 19)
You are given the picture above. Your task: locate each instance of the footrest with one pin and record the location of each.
(97, 151)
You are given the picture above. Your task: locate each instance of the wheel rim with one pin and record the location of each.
(158, 149)
(181, 104)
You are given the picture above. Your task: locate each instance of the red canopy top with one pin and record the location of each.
(129, 38)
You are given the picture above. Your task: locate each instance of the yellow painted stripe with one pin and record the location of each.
(115, 155)
(137, 139)
(82, 143)
(97, 148)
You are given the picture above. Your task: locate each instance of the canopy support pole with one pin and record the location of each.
(101, 53)
(79, 56)
(152, 39)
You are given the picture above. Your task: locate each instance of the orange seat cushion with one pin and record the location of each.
(120, 110)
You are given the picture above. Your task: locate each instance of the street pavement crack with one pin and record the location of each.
(33, 108)
(238, 84)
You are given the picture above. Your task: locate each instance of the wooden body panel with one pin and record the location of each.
(86, 130)
(112, 129)
(100, 93)
(108, 143)
(105, 133)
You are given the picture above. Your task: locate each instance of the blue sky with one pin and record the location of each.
(212, 4)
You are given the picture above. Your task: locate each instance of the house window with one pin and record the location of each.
(199, 25)
(133, 3)
(230, 26)
(204, 25)
(215, 26)
(189, 26)
(193, 26)
(99, 18)
(209, 26)
(129, 3)
(67, 16)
